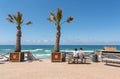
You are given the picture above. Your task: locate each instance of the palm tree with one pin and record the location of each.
(18, 19)
(56, 19)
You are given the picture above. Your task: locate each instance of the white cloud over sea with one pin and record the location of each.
(38, 42)
(62, 42)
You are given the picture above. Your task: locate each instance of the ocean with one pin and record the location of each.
(44, 51)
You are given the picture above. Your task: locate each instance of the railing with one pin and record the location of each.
(111, 55)
(30, 56)
(4, 55)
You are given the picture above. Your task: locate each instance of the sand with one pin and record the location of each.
(48, 70)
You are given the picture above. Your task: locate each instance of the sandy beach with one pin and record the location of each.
(48, 70)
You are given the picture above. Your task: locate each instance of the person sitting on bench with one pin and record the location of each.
(75, 55)
(81, 55)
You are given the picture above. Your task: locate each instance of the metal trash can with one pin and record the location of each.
(99, 58)
(99, 55)
(95, 58)
(63, 57)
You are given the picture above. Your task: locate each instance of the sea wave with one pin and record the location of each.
(88, 51)
(39, 49)
(35, 50)
(67, 50)
(78, 50)
(47, 51)
(42, 55)
(7, 49)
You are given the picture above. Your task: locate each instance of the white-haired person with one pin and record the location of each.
(81, 55)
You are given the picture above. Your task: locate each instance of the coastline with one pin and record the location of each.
(48, 70)
(44, 51)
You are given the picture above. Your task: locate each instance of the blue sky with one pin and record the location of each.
(96, 21)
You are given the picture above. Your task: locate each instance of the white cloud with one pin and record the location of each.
(62, 42)
(38, 42)
(10, 42)
(45, 41)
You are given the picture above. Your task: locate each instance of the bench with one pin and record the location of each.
(111, 58)
(71, 59)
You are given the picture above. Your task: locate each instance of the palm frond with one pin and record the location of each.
(51, 13)
(28, 23)
(10, 16)
(70, 19)
(51, 18)
(19, 16)
(10, 20)
(59, 15)
(21, 21)
(16, 19)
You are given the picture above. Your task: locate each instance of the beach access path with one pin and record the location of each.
(48, 70)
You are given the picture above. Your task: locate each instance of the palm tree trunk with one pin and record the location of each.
(18, 40)
(56, 48)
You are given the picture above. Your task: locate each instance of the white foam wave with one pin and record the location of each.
(25, 50)
(35, 50)
(6, 49)
(87, 51)
(47, 51)
(66, 50)
(39, 49)
(42, 55)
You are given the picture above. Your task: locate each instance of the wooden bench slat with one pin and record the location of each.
(70, 60)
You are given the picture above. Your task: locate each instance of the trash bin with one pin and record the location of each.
(99, 58)
(95, 58)
(99, 55)
(63, 57)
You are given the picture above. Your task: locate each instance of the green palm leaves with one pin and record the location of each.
(56, 17)
(59, 15)
(18, 19)
(69, 19)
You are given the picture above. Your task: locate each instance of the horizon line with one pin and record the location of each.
(64, 44)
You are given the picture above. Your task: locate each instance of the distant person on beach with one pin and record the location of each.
(76, 54)
(81, 54)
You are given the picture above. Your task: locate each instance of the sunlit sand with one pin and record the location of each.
(45, 69)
